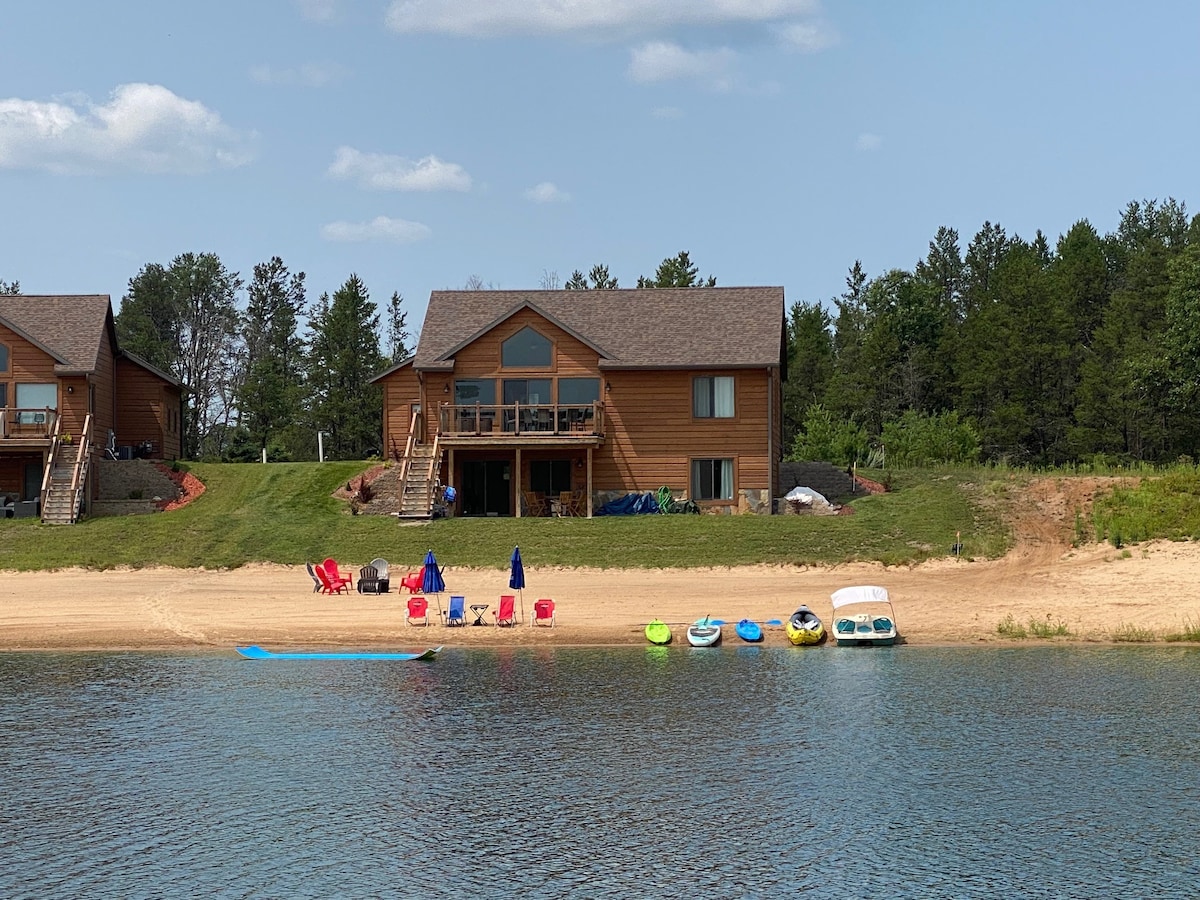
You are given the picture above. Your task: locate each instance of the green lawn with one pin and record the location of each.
(285, 513)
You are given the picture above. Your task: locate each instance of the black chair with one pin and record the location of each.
(368, 580)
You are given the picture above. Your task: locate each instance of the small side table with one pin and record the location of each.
(478, 609)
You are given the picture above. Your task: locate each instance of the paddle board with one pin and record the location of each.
(256, 652)
(658, 632)
(748, 631)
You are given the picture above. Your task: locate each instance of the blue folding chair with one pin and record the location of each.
(456, 614)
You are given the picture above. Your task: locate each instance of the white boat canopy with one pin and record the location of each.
(863, 593)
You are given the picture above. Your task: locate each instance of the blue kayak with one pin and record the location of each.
(256, 652)
(748, 631)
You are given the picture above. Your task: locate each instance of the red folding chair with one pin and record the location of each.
(418, 611)
(543, 613)
(506, 614)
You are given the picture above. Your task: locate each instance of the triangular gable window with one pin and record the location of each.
(527, 349)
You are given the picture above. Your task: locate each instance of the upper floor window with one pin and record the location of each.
(578, 391)
(34, 400)
(526, 390)
(526, 349)
(469, 390)
(3, 358)
(712, 397)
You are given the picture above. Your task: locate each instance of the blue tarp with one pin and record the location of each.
(630, 505)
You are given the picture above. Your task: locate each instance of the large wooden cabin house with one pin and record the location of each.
(556, 402)
(68, 395)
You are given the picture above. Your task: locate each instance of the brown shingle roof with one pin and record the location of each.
(67, 327)
(637, 328)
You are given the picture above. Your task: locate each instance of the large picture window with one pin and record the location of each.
(526, 390)
(470, 390)
(526, 350)
(35, 399)
(712, 397)
(712, 479)
(578, 391)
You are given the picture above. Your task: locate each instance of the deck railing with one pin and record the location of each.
(19, 422)
(491, 419)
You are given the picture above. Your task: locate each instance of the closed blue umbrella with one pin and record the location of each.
(431, 579)
(516, 578)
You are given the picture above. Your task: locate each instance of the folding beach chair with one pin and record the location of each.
(418, 611)
(506, 614)
(543, 613)
(456, 615)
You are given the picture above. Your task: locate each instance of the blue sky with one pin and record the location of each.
(418, 143)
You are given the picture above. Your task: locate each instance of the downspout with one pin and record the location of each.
(772, 467)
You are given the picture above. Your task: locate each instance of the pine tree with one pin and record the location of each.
(271, 392)
(345, 356)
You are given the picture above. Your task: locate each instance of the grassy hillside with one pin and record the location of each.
(285, 513)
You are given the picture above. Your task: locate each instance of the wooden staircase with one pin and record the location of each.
(418, 481)
(65, 478)
(419, 469)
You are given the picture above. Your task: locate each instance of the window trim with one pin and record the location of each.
(5, 357)
(693, 488)
(712, 380)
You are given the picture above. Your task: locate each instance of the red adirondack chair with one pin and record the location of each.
(329, 583)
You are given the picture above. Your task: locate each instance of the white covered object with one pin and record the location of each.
(806, 496)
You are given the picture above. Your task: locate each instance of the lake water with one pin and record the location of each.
(626, 772)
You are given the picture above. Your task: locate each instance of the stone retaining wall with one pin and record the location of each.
(129, 487)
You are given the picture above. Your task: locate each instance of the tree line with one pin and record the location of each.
(255, 378)
(1011, 350)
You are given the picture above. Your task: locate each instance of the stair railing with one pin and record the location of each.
(51, 459)
(406, 460)
(80, 469)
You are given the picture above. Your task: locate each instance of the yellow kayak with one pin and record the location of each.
(804, 627)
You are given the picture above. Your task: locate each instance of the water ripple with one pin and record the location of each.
(1032, 772)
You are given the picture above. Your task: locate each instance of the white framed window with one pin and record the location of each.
(712, 479)
(712, 397)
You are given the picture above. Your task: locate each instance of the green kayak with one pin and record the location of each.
(658, 632)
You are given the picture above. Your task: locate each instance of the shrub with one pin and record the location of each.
(919, 439)
(823, 439)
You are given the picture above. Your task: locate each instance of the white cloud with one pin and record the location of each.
(318, 10)
(143, 128)
(380, 172)
(308, 75)
(807, 37)
(663, 61)
(497, 17)
(867, 141)
(547, 192)
(381, 228)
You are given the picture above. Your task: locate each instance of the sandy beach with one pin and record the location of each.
(1094, 591)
